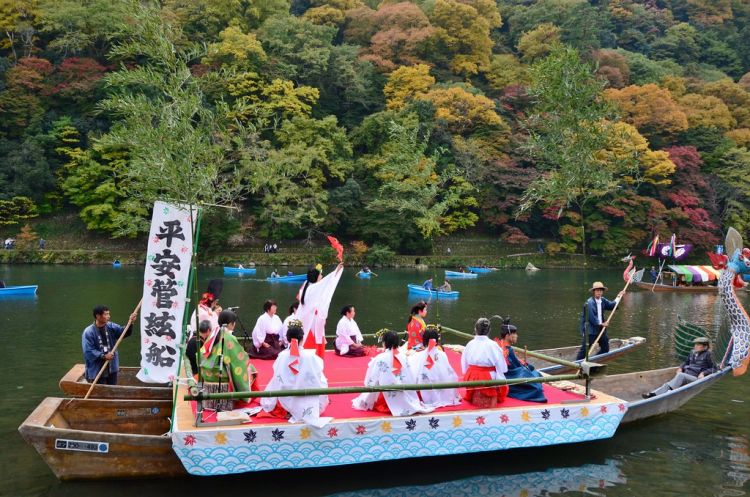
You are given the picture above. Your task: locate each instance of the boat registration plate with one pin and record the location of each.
(81, 445)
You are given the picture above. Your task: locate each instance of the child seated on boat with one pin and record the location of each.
(483, 360)
(430, 366)
(296, 369)
(385, 369)
(415, 326)
(224, 361)
(533, 392)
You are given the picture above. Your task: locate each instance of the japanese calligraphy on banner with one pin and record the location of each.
(165, 282)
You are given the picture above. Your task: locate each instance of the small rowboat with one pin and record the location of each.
(95, 439)
(420, 290)
(670, 288)
(128, 386)
(631, 387)
(287, 279)
(481, 270)
(365, 275)
(239, 270)
(459, 275)
(116, 264)
(617, 347)
(18, 290)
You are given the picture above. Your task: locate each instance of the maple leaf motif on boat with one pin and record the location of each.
(565, 413)
(411, 424)
(603, 409)
(457, 421)
(333, 432)
(525, 416)
(386, 426)
(545, 414)
(277, 435)
(480, 420)
(504, 418)
(305, 433)
(361, 429)
(250, 436)
(622, 407)
(584, 411)
(189, 440)
(434, 423)
(221, 438)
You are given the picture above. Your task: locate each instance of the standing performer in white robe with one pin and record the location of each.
(267, 341)
(314, 300)
(390, 368)
(296, 369)
(348, 337)
(430, 366)
(482, 360)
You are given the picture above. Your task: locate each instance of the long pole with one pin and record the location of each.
(661, 266)
(113, 351)
(383, 388)
(604, 328)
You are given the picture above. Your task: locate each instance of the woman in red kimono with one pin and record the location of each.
(416, 325)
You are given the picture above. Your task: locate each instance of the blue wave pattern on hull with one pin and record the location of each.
(278, 455)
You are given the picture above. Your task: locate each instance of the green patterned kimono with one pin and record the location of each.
(236, 362)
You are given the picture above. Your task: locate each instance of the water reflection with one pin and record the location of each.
(588, 478)
(739, 462)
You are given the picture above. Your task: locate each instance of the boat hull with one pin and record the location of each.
(363, 275)
(669, 288)
(288, 279)
(74, 384)
(100, 439)
(236, 270)
(617, 346)
(631, 386)
(19, 290)
(419, 290)
(481, 270)
(456, 275)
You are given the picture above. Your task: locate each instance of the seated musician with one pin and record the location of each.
(348, 337)
(533, 392)
(296, 369)
(224, 364)
(390, 368)
(431, 365)
(482, 360)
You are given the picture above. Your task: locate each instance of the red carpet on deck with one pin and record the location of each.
(350, 371)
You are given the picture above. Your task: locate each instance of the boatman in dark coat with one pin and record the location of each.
(592, 319)
(98, 340)
(699, 364)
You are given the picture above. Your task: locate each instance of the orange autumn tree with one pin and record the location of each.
(649, 108)
(407, 83)
(706, 111)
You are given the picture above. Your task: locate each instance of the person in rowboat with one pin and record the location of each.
(427, 285)
(348, 337)
(698, 364)
(274, 273)
(592, 319)
(97, 342)
(483, 360)
(445, 287)
(416, 326)
(267, 341)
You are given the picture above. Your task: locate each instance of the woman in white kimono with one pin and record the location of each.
(266, 334)
(296, 369)
(482, 360)
(431, 365)
(390, 368)
(314, 300)
(348, 337)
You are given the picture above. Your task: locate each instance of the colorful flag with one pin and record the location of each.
(337, 247)
(651, 249)
(673, 245)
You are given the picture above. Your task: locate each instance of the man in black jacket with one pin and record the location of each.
(698, 365)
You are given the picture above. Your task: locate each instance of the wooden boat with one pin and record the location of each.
(74, 384)
(365, 275)
(632, 386)
(287, 279)
(617, 347)
(670, 288)
(531, 268)
(97, 439)
(239, 270)
(481, 270)
(420, 290)
(18, 290)
(457, 275)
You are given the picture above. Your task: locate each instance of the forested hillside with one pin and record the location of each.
(593, 124)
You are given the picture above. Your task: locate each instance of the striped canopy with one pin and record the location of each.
(696, 274)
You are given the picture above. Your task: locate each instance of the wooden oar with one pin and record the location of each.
(656, 280)
(604, 328)
(114, 349)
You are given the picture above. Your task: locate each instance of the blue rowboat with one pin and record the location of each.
(18, 290)
(481, 270)
(420, 290)
(287, 279)
(116, 264)
(458, 275)
(364, 275)
(237, 270)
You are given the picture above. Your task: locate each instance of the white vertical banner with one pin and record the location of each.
(165, 282)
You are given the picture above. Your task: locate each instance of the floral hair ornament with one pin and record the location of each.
(294, 323)
(319, 267)
(379, 334)
(207, 297)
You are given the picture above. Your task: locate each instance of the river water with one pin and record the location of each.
(700, 450)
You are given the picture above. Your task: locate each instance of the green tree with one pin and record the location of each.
(16, 209)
